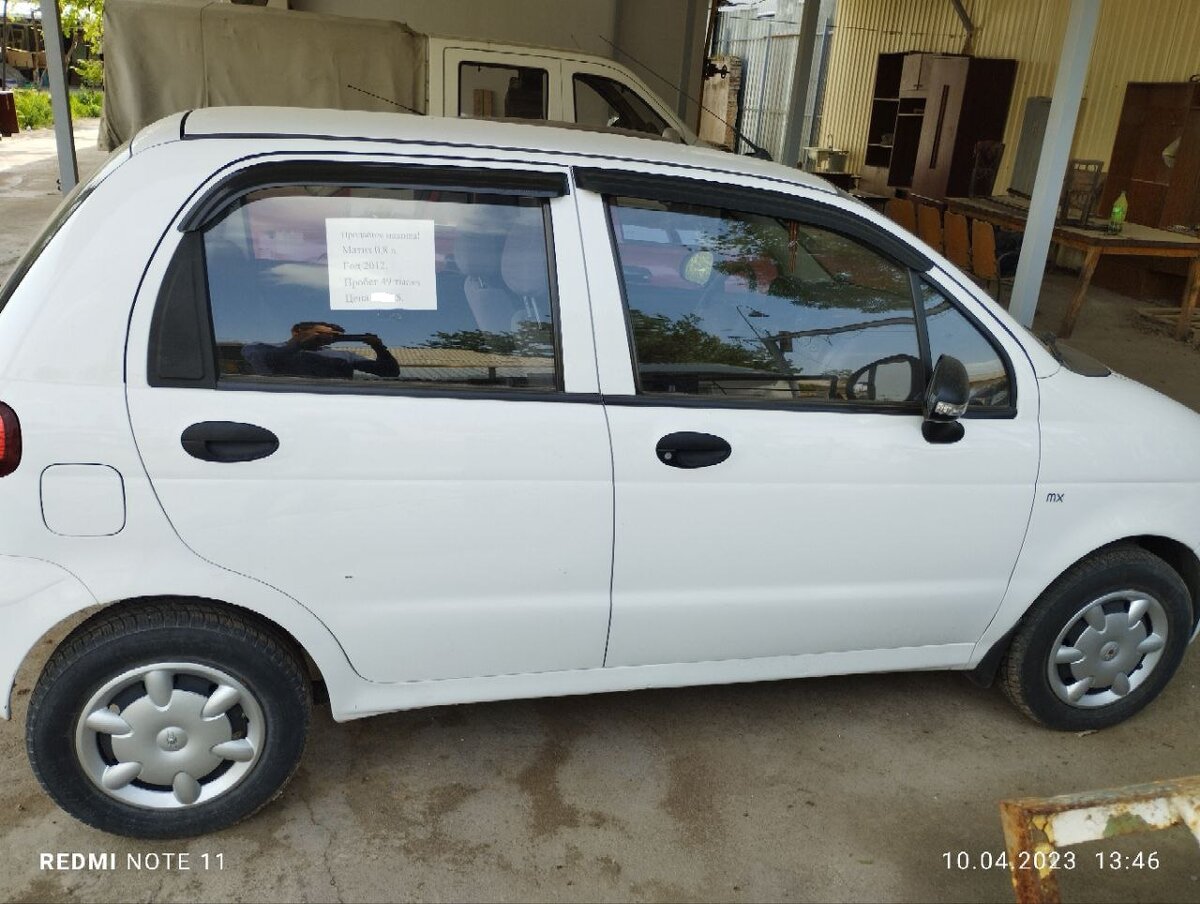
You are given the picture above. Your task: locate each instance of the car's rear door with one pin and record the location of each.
(762, 360)
(440, 494)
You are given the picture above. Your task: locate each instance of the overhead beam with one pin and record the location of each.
(1052, 165)
(968, 25)
(60, 103)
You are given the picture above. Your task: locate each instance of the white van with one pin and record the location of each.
(167, 56)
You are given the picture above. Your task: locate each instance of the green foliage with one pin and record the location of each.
(661, 340)
(86, 103)
(534, 340)
(33, 108)
(35, 112)
(91, 72)
(86, 16)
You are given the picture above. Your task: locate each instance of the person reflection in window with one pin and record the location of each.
(307, 354)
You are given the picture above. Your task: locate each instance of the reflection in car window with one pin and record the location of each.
(745, 306)
(951, 333)
(426, 288)
(601, 101)
(489, 90)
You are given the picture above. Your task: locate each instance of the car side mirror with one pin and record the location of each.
(946, 400)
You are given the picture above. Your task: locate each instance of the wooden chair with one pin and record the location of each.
(985, 263)
(901, 211)
(929, 225)
(958, 243)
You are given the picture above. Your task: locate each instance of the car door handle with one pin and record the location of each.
(692, 450)
(226, 441)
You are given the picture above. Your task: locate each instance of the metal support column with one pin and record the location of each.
(801, 79)
(56, 65)
(689, 66)
(1056, 148)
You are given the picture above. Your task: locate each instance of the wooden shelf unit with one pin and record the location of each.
(910, 148)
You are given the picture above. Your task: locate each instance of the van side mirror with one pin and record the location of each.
(946, 400)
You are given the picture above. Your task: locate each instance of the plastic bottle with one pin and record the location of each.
(1117, 219)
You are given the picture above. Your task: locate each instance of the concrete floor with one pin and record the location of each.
(837, 789)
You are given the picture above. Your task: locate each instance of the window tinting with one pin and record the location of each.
(744, 306)
(600, 101)
(487, 90)
(421, 288)
(951, 333)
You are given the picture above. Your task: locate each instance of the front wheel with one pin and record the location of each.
(1101, 642)
(168, 720)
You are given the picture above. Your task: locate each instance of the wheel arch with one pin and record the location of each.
(1179, 556)
(322, 672)
(246, 614)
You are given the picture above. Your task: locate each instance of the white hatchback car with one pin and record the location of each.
(434, 411)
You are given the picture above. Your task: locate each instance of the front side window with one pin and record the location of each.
(490, 90)
(951, 333)
(601, 101)
(425, 288)
(737, 305)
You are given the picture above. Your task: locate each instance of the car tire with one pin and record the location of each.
(1101, 642)
(168, 720)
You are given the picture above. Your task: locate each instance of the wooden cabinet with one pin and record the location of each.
(927, 113)
(967, 100)
(1153, 116)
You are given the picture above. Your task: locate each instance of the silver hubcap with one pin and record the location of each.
(169, 735)
(1108, 649)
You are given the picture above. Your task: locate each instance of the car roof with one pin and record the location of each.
(537, 139)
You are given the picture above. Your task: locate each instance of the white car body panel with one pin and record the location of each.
(1121, 456)
(1118, 453)
(527, 484)
(807, 539)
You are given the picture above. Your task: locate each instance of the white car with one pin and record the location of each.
(429, 411)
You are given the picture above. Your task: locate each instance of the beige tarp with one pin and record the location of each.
(164, 56)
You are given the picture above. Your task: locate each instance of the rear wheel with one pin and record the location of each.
(1101, 642)
(168, 720)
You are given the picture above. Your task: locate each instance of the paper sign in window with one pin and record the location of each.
(381, 264)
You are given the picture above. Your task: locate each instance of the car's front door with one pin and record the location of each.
(762, 361)
(392, 414)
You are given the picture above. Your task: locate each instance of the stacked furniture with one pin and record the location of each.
(970, 245)
(927, 114)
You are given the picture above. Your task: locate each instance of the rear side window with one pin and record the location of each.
(360, 287)
(487, 90)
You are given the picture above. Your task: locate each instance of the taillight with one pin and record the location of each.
(10, 440)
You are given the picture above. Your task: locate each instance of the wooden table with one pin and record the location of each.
(1134, 239)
